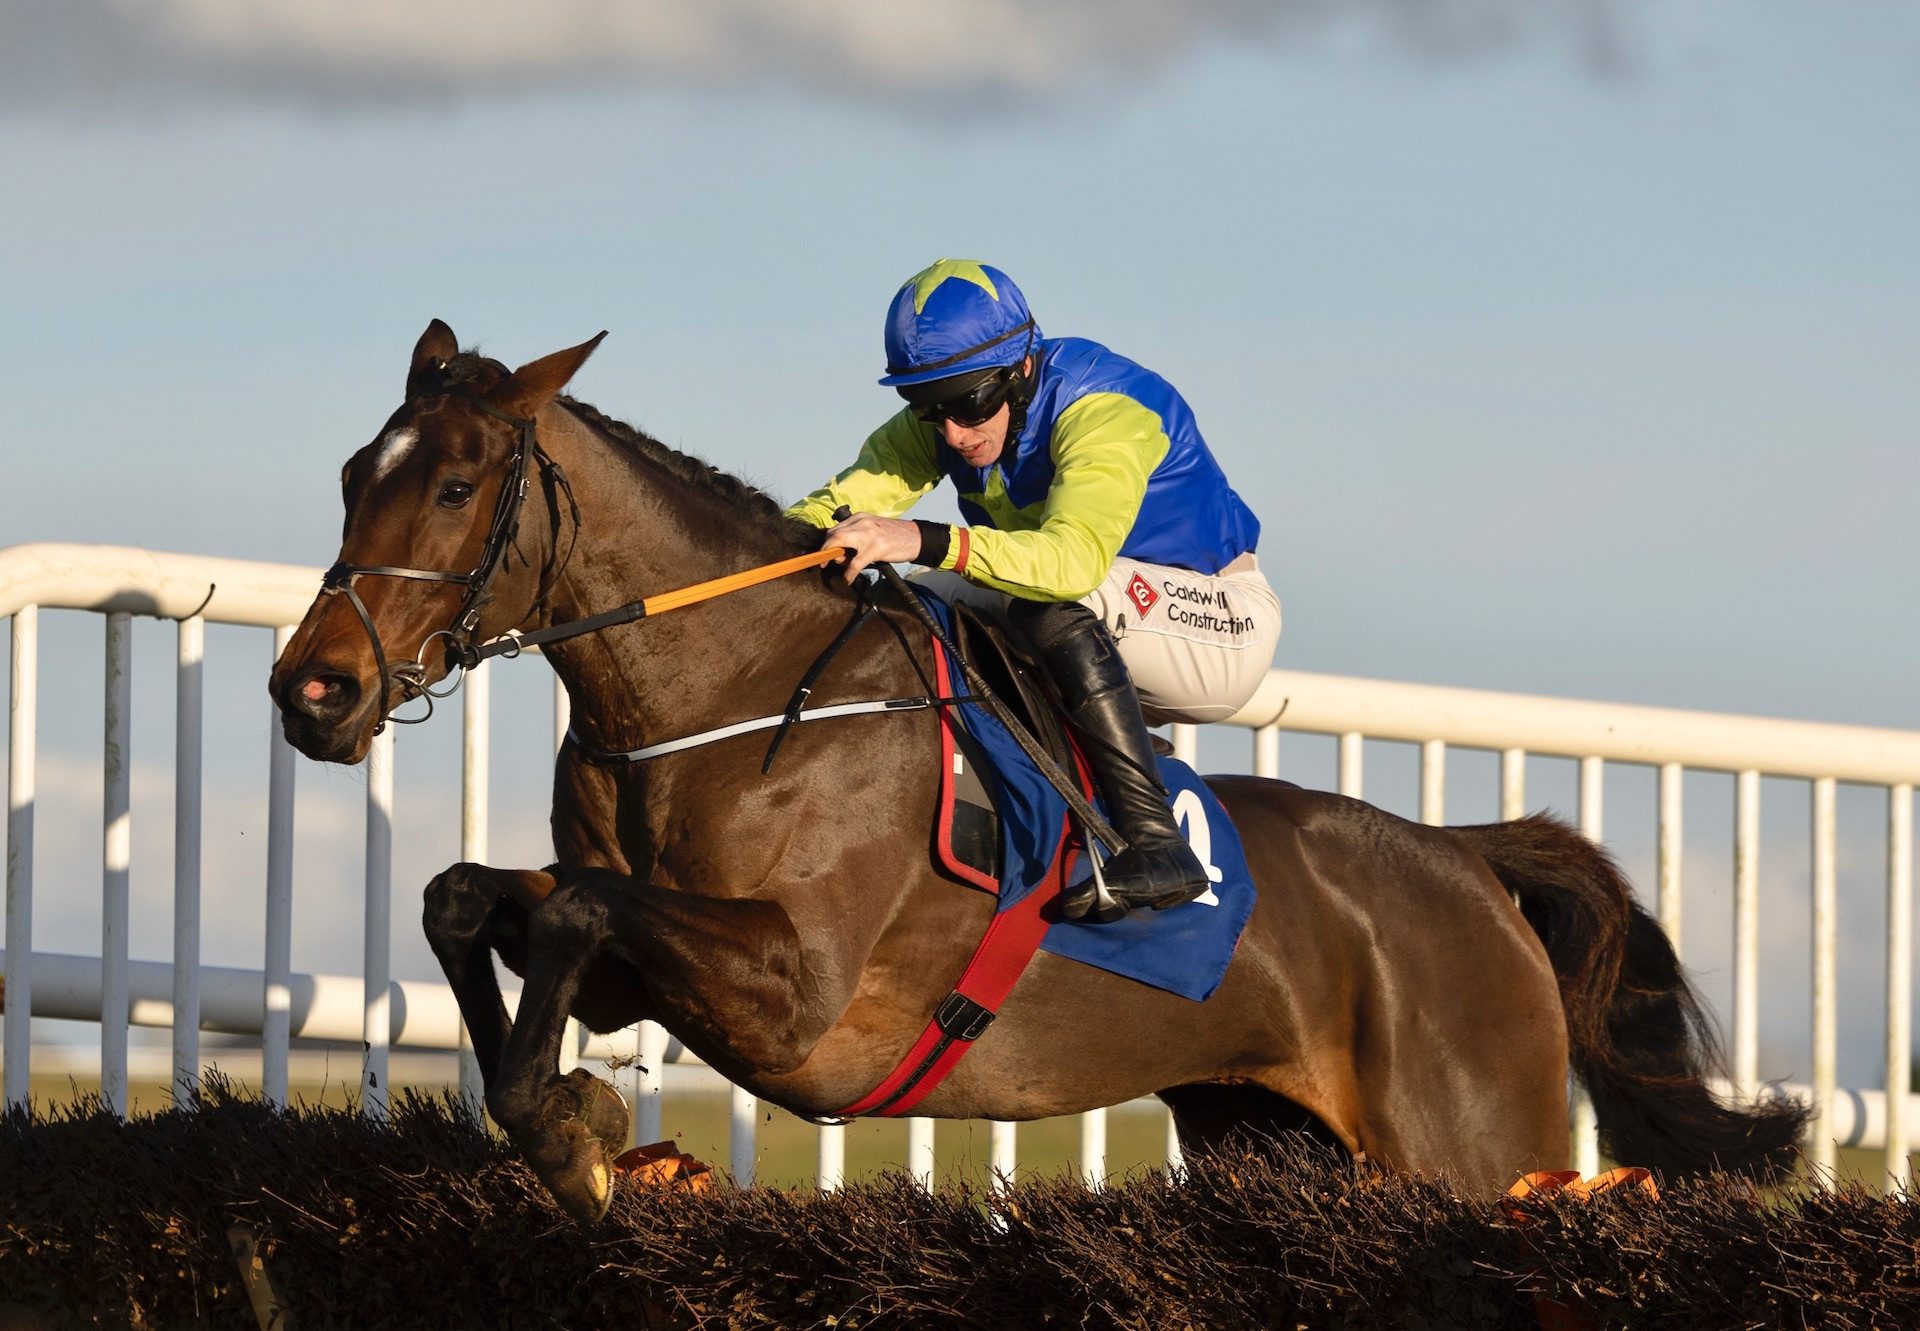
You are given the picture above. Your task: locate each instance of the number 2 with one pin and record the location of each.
(1191, 813)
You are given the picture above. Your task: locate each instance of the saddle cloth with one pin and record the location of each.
(1000, 823)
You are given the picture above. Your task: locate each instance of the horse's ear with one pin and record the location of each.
(435, 348)
(537, 383)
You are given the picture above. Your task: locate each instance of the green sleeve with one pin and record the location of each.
(895, 469)
(1104, 447)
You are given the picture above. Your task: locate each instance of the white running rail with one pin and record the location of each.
(118, 582)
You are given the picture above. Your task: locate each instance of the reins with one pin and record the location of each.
(513, 642)
(503, 530)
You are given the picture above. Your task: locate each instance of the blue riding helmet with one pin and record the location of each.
(954, 318)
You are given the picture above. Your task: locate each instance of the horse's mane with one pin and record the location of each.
(695, 472)
(482, 373)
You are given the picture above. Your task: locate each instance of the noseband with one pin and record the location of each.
(462, 651)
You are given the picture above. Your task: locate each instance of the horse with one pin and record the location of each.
(1406, 994)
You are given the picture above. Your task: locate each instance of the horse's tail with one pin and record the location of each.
(1637, 1035)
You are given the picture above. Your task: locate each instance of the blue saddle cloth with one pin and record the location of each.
(1184, 949)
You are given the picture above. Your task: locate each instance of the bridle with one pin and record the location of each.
(466, 653)
(462, 651)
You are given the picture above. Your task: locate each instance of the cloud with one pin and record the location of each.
(105, 56)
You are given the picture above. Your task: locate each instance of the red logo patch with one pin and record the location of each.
(1144, 597)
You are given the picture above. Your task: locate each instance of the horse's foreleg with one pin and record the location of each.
(569, 1128)
(727, 969)
(460, 905)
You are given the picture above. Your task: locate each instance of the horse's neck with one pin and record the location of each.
(643, 531)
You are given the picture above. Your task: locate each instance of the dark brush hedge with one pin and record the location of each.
(428, 1222)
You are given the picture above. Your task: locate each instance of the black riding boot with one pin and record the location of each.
(1158, 868)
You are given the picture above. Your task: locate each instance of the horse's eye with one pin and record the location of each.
(455, 494)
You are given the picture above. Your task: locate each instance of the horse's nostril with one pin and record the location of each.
(324, 694)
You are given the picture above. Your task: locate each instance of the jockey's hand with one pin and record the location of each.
(872, 539)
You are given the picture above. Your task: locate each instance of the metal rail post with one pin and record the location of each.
(189, 684)
(275, 1032)
(116, 860)
(1822, 1153)
(476, 728)
(1513, 784)
(742, 1132)
(574, 1038)
(1186, 743)
(651, 1053)
(1897, 1162)
(376, 1001)
(920, 1151)
(1746, 933)
(1351, 780)
(1003, 1152)
(23, 708)
(1672, 850)
(1093, 1148)
(1586, 1124)
(1266, 751)
(832, 1156)
(1433, 783)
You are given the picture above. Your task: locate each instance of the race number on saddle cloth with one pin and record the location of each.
(1184, 949)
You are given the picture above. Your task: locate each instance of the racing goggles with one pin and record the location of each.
(967, 400)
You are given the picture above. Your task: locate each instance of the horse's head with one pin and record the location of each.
(455, 528)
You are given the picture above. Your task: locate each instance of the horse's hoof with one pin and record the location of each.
(577, 1171)
(581, 1125)
(602, 1108)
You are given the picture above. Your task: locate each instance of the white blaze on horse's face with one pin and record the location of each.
(393, 448)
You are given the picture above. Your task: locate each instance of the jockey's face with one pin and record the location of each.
(978, 445)
(981, 443)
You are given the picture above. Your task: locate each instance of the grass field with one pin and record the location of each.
(1136, 1140)
(787, 1146)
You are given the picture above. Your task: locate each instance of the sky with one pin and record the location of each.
(1563, 348)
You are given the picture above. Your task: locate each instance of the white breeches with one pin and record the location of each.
(1197, 646)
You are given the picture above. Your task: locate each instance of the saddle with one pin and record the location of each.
(970, 831)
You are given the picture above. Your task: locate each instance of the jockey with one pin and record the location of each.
(1099, 524)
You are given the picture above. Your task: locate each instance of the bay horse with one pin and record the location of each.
(1412, 993)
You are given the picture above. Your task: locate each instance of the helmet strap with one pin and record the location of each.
(1020, 390)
